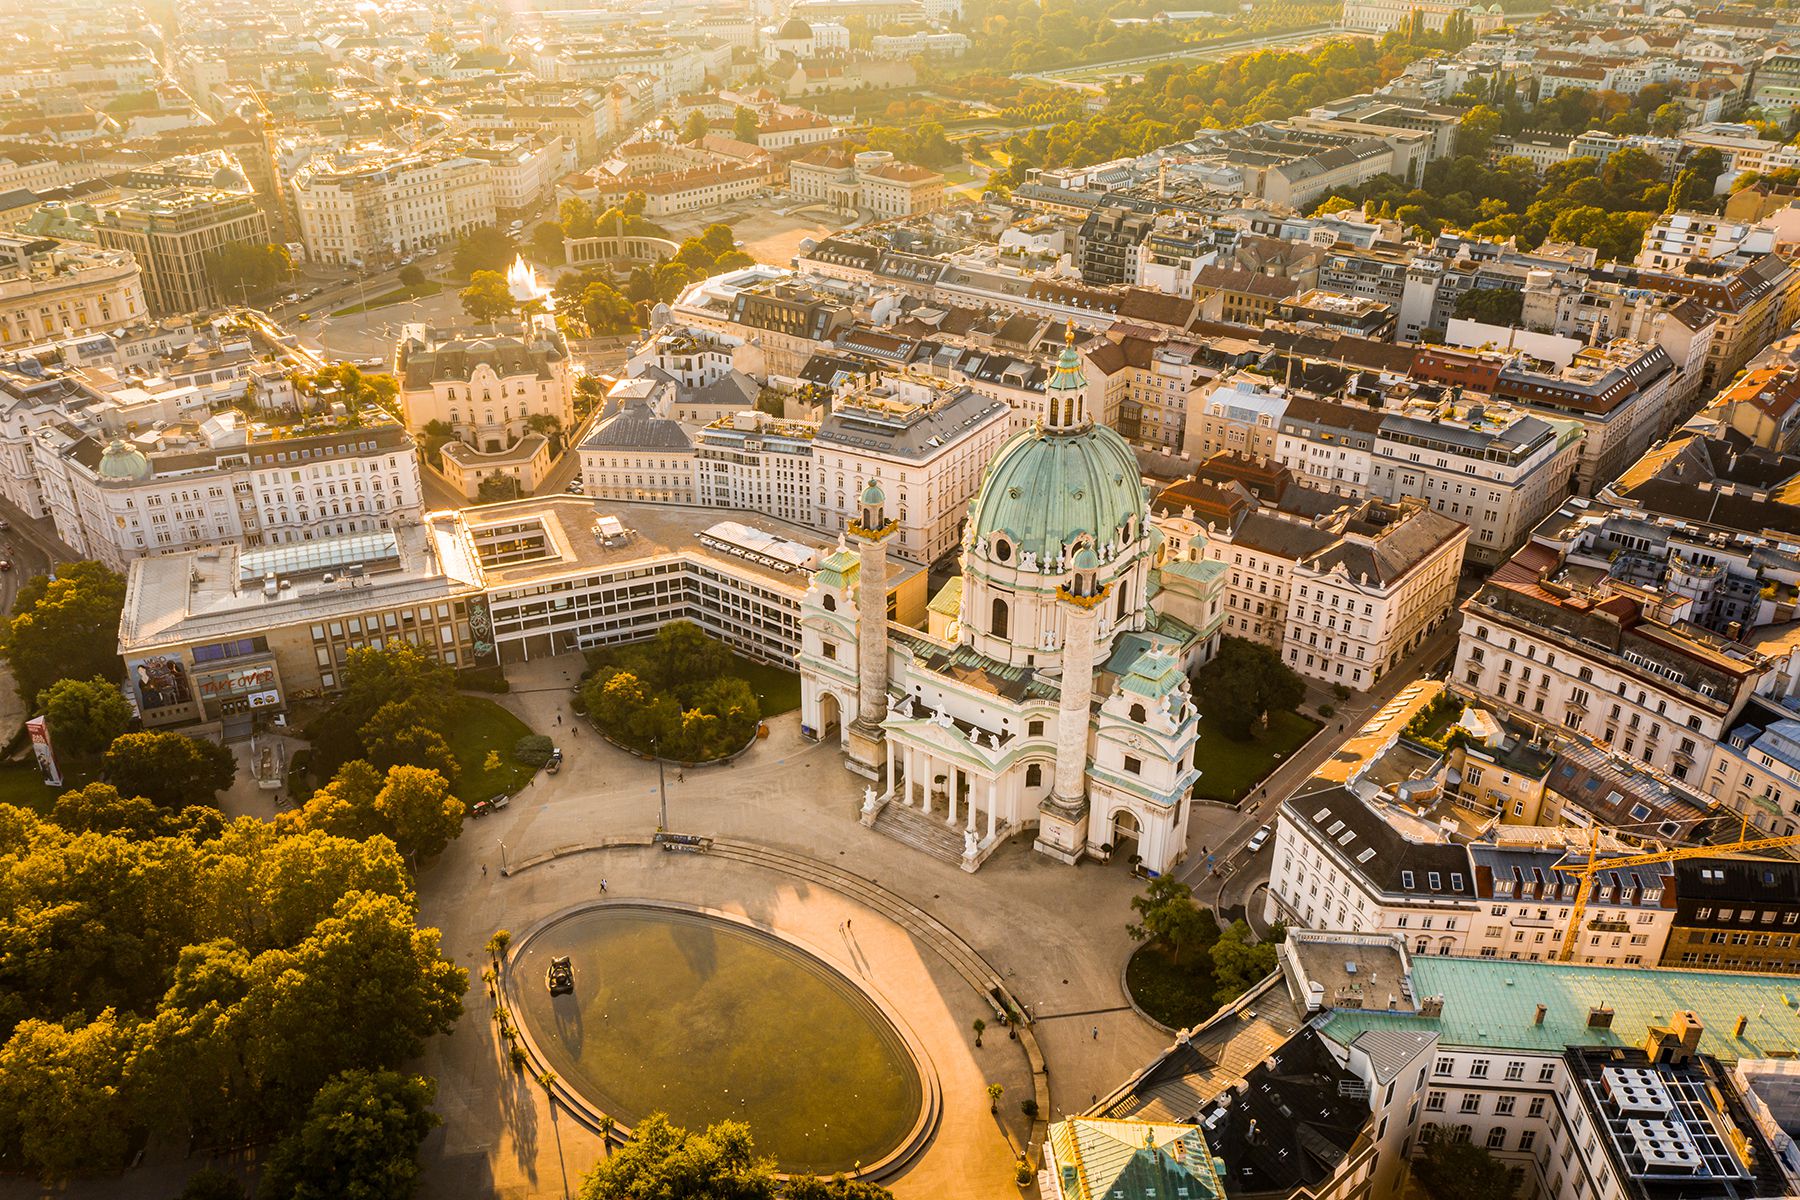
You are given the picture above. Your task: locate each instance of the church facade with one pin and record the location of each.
(1050, 690)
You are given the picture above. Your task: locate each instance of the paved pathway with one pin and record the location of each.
(1054, 933)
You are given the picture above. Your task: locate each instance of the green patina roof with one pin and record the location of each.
(1133, 1160)
(1045, 490)
(1154, 673)
(1068, 376)
(838, 568)
(1491, 1002)
(1202, 572)
(948, 601)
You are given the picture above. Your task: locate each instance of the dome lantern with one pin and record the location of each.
(1065, 396)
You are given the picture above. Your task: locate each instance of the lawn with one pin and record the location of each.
(21, 785)
(1229, 769)
(777, 689)
(1177, 994)
(399, 295)
(477, 725)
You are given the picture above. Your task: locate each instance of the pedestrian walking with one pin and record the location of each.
(484, 870)
(1096, 1033)
(603, 887)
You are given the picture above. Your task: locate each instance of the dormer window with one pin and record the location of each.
(1002, 549)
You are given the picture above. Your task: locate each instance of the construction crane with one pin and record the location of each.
(1585, 872)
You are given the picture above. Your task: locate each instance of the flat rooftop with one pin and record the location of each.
(216, 593)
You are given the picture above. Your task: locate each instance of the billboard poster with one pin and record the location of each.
(160, 682)
(481, 632)
(39, 730)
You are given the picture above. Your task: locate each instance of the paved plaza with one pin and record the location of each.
(1055, 934)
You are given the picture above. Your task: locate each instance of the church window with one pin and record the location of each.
(1133, 766)
(830, 650)
(830, 602)
(1034, 729)
(997, 626)
(1002, 550)
(1034, 775)
(1137, 713)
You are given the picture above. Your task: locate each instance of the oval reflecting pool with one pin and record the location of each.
(706, 1019)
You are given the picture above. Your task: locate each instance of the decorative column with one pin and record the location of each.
(927, 778)
(1063, 815)
(993, 803)
(872, 530)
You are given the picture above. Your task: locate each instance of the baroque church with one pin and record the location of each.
(1049, 691)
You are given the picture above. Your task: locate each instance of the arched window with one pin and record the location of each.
(1124, 597)
(830, 602)
(997, 626)
(1034, 775)
(1137, 713)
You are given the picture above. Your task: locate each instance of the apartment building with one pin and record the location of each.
(1609, 622)
(1236, 413)
(1756, 767)
(757, 463)
(223, 483)
(52, 290)
(172, 235)
(926, 442)
(1143, 386)
(1736, 914)
(361, 210)
(1752, 305)
(1492, 467)
(487, 385)
(638, 454)
(1341, 588)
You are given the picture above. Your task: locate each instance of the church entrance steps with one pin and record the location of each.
(927, 834)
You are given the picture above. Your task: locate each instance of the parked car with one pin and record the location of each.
(576, 487)
(5, 525)
(1257, 840)
(559, 977)
(5, 564)
(554, 763)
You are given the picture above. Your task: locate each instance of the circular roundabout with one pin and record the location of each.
(707, 1016)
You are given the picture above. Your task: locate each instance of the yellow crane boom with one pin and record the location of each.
(1585, 872)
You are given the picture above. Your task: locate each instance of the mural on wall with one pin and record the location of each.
(160, 682)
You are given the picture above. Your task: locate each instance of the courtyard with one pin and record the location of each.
(790, 859)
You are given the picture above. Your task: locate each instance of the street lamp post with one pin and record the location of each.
(503, 858)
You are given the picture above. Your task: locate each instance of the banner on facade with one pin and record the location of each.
(39, 730)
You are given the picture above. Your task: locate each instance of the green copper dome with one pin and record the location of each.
(120, 461)
(873, 495)
(1044, 491)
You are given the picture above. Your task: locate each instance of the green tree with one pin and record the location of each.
(1239, 963)
(547, 241)
(666, 1160)
(398, 673)
(1455, 1170)
(417, 810)
(1168, 915)
(497, 487)
(551, 426)
(412, 275)
(240, 270)
(98, 808)
(1476, 130)
(64, 1102)
(694, 128)
(743, 125)
(811, 1187)
(210, 1184)
(345, 805)
(1243, 683)
(487, 298)
(484, 249)
(64, 628)
(401, 734)
(433, 438)
(605, 311)
(360, 1140)
(364, 988)
(1494, 306)
(576, 216)
(171, 770)
(85, 715)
